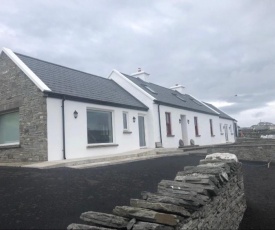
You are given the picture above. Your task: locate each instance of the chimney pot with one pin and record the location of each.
(178, 88)
(141, 74)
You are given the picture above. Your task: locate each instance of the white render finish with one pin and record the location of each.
(181, 129)
(226, 124)
(76, 130)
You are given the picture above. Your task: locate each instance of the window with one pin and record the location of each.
(195, 101)
(168, 123)
(180, 98)
(211, 127)
(99, 127)
(9, 128)
(151, 90)
(196, 126)
(221, 128)
(125, 121)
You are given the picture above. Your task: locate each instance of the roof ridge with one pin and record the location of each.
(60, 65)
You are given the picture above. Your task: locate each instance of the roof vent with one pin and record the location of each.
(178, 88)
(141, 74)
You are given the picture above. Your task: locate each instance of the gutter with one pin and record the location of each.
(63, 128)
(87, 100)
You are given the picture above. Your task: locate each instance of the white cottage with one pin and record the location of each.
(51, 112)
(174, 115)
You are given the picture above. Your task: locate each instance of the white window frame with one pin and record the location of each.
(16, 142)
(113, 127)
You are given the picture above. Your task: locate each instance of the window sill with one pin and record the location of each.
(198, 135)
(127, 132)
(10, 146)
(170, 135)
(101, 145)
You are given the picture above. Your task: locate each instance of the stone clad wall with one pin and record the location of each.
(207, 196)
(18, 92)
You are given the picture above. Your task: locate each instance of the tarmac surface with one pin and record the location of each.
(55, 198)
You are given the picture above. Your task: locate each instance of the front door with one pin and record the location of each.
(141, 126)
(226, 132)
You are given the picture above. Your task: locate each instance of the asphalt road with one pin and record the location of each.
(54, 198)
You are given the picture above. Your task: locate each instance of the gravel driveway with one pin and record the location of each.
(54, 198)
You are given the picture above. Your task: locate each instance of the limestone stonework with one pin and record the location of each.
(18, 92)
(207, 196)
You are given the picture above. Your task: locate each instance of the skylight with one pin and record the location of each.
(180, 98)
(194, 100)
(147, 87)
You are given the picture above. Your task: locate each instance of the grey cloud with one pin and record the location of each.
(217, 49)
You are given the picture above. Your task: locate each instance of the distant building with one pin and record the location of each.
(263, 126)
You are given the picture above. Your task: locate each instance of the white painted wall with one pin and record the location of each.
(205, 137)
(146, 99)
(76, 130)
(231, 136)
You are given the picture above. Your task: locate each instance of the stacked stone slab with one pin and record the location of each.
(207, 196)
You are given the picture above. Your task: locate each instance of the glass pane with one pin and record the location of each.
(9, 128)
(99, 125)
(125, 126)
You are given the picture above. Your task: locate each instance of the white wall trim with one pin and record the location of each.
(132, 83)
(34, 78)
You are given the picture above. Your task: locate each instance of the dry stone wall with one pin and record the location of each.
(207, 196)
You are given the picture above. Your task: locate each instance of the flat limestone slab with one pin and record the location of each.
(84, 227)
(158, 206)
(147, 215)
(150, 226)
(224, 156)
(103, 219)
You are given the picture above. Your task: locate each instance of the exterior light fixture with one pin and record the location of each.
(187, 121)
(75, 114)
(179, 120)
(134, 119)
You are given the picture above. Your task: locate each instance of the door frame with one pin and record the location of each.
(184, 129)
(145, 132)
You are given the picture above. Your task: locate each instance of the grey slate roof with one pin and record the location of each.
(80, 85)
(170, 97)
(222, 114)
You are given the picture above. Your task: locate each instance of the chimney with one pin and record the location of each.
(178, 88)
(141, 74)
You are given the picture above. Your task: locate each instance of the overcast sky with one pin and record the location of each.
(222, 51)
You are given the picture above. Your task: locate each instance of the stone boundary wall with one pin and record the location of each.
(250, 152)
(207, 196)
(255, 141)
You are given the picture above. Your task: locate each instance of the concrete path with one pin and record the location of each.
(89, 162)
